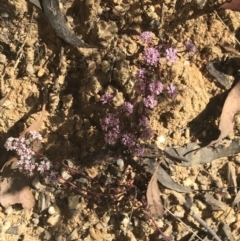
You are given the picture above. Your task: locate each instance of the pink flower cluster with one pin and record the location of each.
(27, 161)
(116, 130)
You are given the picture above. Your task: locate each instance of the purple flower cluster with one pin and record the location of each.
(150, 101)
(151, 56)
(116, 130)
(172, 90)
(146, 134)
(119, 128)
(24, 149)
(106, 98)
(141, 73)
(156, 87)
(127, 108)
(138, 150)
(110, 124)
(128, 139)
(146, 37)
(171, 55)
(190, 47)
(143, 121)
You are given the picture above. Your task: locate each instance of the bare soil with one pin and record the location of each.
(33, 57)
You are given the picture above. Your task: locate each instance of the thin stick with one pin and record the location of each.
(226, 27)
(204, 224)
(189, 229)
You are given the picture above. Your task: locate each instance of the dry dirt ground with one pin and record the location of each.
(32, 56)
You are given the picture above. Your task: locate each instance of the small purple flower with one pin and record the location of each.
(146, 134)
(44, 166)
(138, 150)
(106, 98)
(151, 56)
(150, 101)
(141, 73)
(140, 87)
(111, 137)
(128, 139)
(190, 47)
(109, 121)
(29, 167)
(143, 121)
(127, 108)
(52, 177)
(35, 135)
(9, 144)
(146, 37)
(156, 87)
(171, 55)
(172, 90)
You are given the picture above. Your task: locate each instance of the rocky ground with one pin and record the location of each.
(33, 58)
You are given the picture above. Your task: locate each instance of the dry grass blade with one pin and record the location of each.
(231, 106)
(231, 176)
(5, 98)
(36, 126)
(236, 199)
(153, 198)
(229, 48)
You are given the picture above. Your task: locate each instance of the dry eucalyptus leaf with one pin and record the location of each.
(236, 199)
(233, 5)
(153, 198)
(230, 108)
(229, 48)
(14, 186)
(231, 176)
(36, 125)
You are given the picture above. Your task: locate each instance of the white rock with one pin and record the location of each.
(29, 69)
(47, 235)
(3, 58)
(53, 220)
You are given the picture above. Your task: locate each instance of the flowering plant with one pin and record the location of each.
(127, 126)
(29, 160)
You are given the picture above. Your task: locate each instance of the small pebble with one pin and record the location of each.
(105, 66)
(36, 183)
(201, 3)
(53, 220)
(65, 175)
(13, 230)
(53, 209)
(73, 201)
(120, 164)
(9, 210)
(73, 236)
(4, 15)
(3, 58)
(29, 69)
(47, 235)
(69, 19)
(6, 226)
(35, 221)
(41, 72)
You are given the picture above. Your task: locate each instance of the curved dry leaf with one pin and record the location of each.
(164, 178)
(153, 199)
(36, 125)
(14, 186)
(233, 5)
(230, 108)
